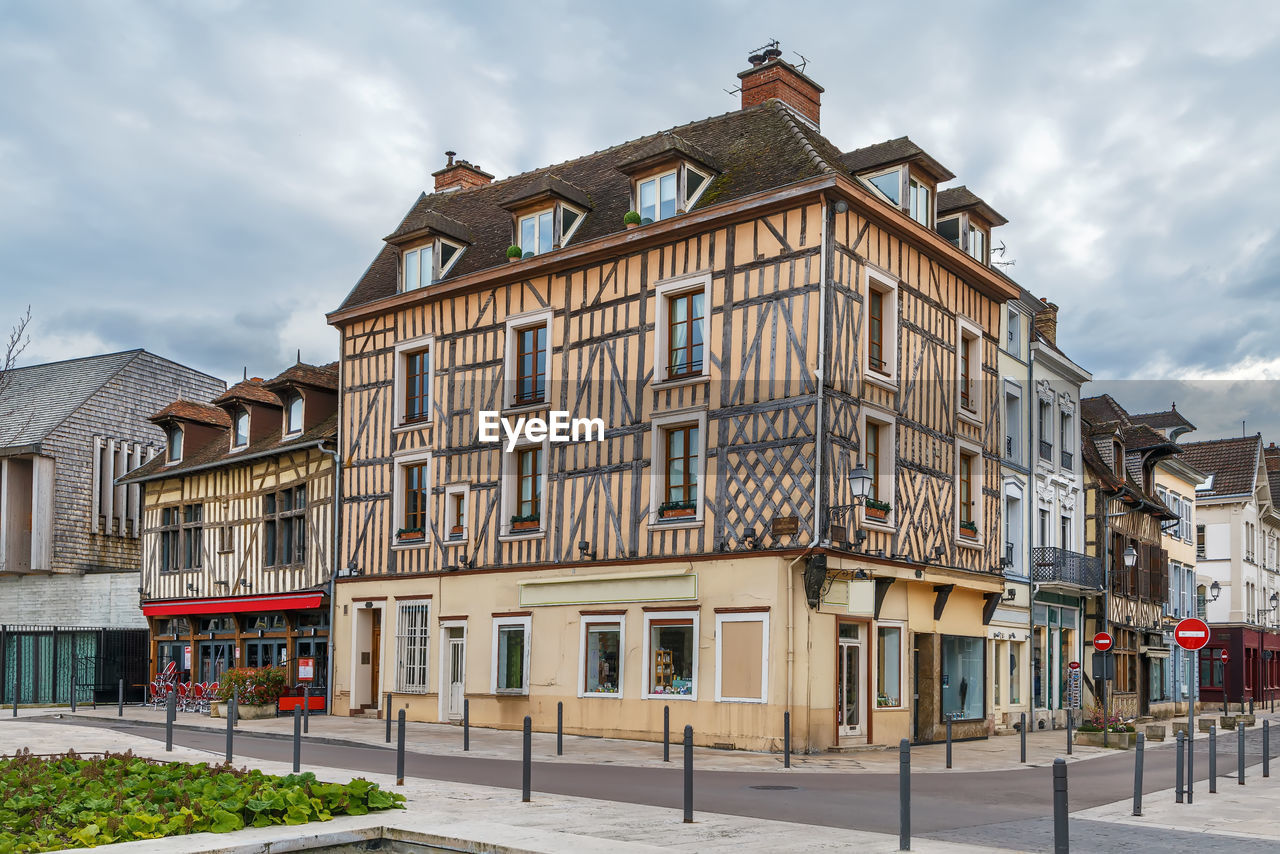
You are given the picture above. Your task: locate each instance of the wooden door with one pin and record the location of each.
(375, 658)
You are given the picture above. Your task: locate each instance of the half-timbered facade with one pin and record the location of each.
(238, 529)
(777, 314)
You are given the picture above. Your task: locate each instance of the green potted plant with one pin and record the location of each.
(256, 691)
(631, 219)
(877, 509)
(677, 509)
(969, 529)
(410, 535)
(514, 253)
(528, 522)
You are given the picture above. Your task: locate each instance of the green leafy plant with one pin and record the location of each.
(253, 687)
(631, 218)
(513, 251)
(969, 527)
(528, 517)
(69, 801)
(881, 505)
(677, 505)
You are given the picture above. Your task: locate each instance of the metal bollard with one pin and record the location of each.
(1071, 719)
(466, 724)
(1024, 738)
(120, 699)
(231, 728)
(306, 709)
(1182, 758)
(399, 746)
(17, 679)
(666, 732)
(786, 739)
(1213, 759)
(170, 712)
(1137, 775)
(948, 742)
(297, 739)
(526, 784)
(1061, 834)
(73, 692)
(388, 716)
(1266, 748)
(904, 795)
(1240, 754)
(560, 729)
(688, 774)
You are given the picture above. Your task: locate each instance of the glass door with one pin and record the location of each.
(852, 685)
(457, 669)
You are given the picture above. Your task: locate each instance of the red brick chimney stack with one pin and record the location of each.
(459, 175)
(1046, 321)
(771, 76)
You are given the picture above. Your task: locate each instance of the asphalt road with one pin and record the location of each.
(1007, 808)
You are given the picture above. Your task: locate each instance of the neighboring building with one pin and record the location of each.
(1237, 525)
(238, 527)
(69, 551)
(1176, 483)
(1124, 520)
(784, 313)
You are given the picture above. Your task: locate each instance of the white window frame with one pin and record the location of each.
(887, 284)
(442, 692)
(537, 231)
(661, 351)
(656, 179)
(424, 606)
(515, 324)
(902, 661)
(902, 191)
(242, 412)
(1067, 441)
(1014, 390)
(658, 425)
(177, 432)
(450, 490)
(503, 622)
(914, 187)
(404, 350)
(620, 620)
(969, 334)
(289, 428)
(438, 271)
(397, 497)
(887, 472)
(683, 187)
(510, 491)
(971, 229)
(974, 450)
(649, 617)
(1013, 334)
(761, 617)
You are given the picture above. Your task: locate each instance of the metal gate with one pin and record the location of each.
(43, 663)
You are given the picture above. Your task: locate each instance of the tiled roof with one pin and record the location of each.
(890, 152)
(322, 376)
(1163, 420)
(35, 399)
(755, 150)
(190, 410)
(252, 391)
(1102, 418)
(1101, 409)
(962, 198)
(1233, 463)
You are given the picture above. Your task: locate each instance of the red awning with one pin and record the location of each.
(233, 605)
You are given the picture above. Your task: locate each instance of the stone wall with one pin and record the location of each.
(105, 599)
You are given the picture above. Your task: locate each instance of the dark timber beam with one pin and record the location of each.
(989, 607)
(882, 590)
(943, 593)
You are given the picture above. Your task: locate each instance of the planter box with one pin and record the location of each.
(876, 513)
(411, 538)
(245, 712)
(1117, 740)
(1155, 732)
(1203, 725)
(1228, 721)
(525, 526)
(968, 535)
(679, 513)
(1247, 720)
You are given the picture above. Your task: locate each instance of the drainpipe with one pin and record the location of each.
(333, 566)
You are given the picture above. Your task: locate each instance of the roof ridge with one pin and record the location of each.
(1256, 437)
(135, 351)
(801, 136)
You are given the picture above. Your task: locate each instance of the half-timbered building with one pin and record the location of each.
(238, 528)
(751, 314)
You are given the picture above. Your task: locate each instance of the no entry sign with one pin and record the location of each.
(1102, 642)
(1075, 665)
(1224, 657)
(1191, 634)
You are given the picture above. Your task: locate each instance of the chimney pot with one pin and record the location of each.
(774, 77)
(459, 175)
(756, 60)
(450, 155)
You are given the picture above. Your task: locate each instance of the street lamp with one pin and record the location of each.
(1130, 556)
(860, 482)
(1215, 590)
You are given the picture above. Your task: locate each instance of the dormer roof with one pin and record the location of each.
(893, 152)
(251, 391)
(956, 199)
(666, 146)
(547, 187)
(422, 221)
(316, 376)
(196, 413)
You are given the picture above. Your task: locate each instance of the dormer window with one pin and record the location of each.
(424, 265)
(537, 232)
(240, 429)
(889, 184)
(659, 197)
(919, 196)
(977, 242)
(175, 444)
(293, 415)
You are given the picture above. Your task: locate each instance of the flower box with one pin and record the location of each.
(878, 513)
(525, 525)
(1116, 740)
(410, 536)
(456, 532)
(246, 711)
(969, 529)
(677, 512)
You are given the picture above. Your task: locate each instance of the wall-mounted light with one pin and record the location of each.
(191, 588)
(368, 605)
(584, 548)
(1215, 590)
(861, 575)
(1130, 556)
(221, 584)
(1011, 593)
(246, 584)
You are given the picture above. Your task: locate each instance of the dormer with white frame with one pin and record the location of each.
(668, 176)
(902, 174)
(966, 221)
(309, 395)
(429, 252)
(546, 213)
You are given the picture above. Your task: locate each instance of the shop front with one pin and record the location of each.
(1056, 646)
(1239, 665)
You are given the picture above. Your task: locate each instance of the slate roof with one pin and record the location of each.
(962, 198)
(754, 150)
(1168, 419)
(1232, 462)
(890, 152)
(36, 399)
(1272, 456)
(1102, 418)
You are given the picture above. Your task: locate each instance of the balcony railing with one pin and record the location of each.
(1052, 565)
(1066, 460)
(1046, 451)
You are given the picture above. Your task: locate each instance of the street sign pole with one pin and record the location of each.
(1102, 643)
(1192, 634)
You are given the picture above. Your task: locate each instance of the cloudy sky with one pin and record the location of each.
(206, 179)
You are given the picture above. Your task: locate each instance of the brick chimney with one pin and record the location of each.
(459, 175)
(1047, 321)
(770, 76)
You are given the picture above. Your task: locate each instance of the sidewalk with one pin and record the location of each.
(999, 753)
(444, 813)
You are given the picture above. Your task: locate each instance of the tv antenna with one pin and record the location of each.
(1000, 250)
(803, 61)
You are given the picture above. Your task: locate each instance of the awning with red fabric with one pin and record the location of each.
(234, 605)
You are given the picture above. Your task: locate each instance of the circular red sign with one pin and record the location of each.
(1102, 642)
(1075, 665)
(1223, 656)
(1191, 633)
